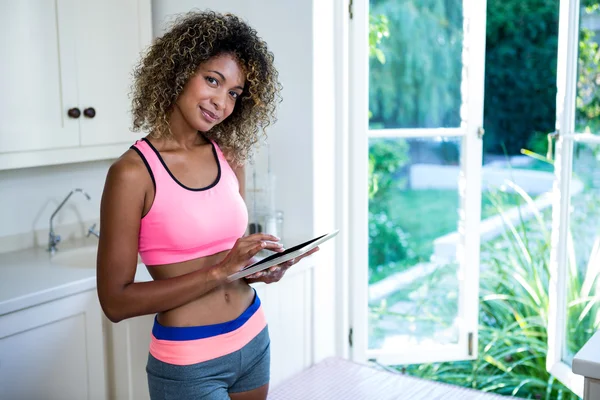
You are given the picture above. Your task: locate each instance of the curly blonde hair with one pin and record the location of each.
(174, 58)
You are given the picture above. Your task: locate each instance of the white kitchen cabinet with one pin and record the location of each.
(288, 306)
(127, 343)
(54, 350)
(37, 76)
(65, 77)
(112, 34)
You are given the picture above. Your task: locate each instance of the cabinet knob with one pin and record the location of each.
(89, 112)
(74, 112)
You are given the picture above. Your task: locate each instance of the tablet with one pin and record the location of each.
(286, 255)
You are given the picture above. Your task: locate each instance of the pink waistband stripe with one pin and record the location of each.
(186, 352)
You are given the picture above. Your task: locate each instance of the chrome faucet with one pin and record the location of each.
(92, 231)
(54, 239)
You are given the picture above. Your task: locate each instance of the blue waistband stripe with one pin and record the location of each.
(202, 332)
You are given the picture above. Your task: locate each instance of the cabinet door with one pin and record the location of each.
(110, 37)
(128, 345)
(290, 314)
(54, 351)
(37, 76)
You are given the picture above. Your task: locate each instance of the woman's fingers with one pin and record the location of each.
(255, 275)
(275, 273)
(251, 249)
(257, 237)
(270, 275)
(293, 261)
(310, 252)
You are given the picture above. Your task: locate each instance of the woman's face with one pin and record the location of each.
(210, 95)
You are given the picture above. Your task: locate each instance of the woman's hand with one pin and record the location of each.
(276, 272)
(245, 248)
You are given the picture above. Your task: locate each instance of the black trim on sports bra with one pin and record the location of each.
(146, 164)
(175, 179)
(151, 175)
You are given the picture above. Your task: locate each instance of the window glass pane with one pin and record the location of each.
(413, 203)
(415, 64)
(583, 285)
(583, 312)
(587, 117)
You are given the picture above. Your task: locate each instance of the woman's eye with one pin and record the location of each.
(211, 80)
(235, 95)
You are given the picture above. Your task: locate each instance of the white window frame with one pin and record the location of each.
(469, 188)
(566, 76)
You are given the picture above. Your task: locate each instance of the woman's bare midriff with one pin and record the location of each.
(222, 304)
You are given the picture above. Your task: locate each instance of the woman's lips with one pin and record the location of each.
(208, 115)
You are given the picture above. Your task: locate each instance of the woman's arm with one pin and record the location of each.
(120, 215)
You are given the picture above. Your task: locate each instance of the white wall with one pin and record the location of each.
(29, 196)
(324, 184)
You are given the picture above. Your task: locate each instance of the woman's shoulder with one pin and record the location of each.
(128, 168)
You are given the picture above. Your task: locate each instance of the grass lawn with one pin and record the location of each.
(426, 215)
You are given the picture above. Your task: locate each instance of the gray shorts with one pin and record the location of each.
(241, 371)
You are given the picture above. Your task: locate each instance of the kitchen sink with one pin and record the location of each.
(82, 257)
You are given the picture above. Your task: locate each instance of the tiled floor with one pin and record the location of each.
(337, 379)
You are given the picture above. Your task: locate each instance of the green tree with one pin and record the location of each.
(378, 30)
(520, 79)
(418, 85)
(588, 95)
(387, 242)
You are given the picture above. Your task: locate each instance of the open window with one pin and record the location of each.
(415, 178)
(574, 293)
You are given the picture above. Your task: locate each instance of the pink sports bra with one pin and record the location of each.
(185, 223)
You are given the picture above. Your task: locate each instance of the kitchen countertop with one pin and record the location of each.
(30, 277)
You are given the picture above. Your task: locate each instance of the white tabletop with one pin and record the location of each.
(587, 360)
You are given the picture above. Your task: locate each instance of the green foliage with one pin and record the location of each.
(520, 89)
(520, 79)
(415, 49)
(378, 29)
(415, 69)
(388, 243)
(514, 303)
(583, 285)
(423, 216)
(419, 83)
(538, 143)
(587, 117)
(590, 5)
(386, 157)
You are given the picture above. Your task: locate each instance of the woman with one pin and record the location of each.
(204, 92)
